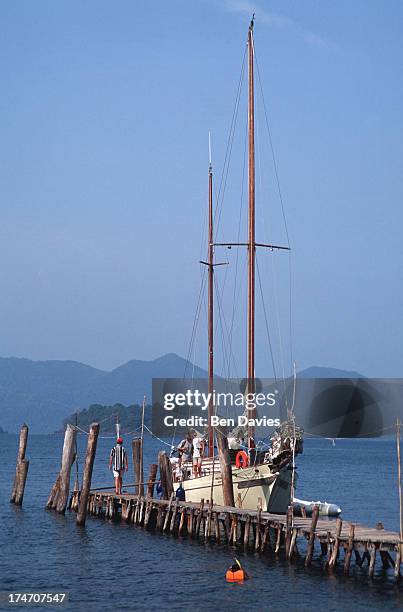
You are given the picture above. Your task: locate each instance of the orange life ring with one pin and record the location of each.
(242, 459)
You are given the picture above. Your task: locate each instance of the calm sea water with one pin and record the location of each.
(107, 566)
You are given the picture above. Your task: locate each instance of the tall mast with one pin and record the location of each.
(251, 243)
(210, 307)
(251, 227)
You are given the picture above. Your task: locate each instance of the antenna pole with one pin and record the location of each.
(251, 230)
(210, 307)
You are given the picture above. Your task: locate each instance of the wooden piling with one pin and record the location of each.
(168, 512)
(226, 469)
(293, 543)
(191, 522)
(258, 521)
(387, 560)
(174, 514)
(278, 539)
(137, 466)
(234, 530)
(53, 494)
(199, 518)
(160, 518)
(226, 526)
(182, 521)
(87, 476)
(397, 561)
(21, 471)
(216, 528)
(372, 560)
(152, 475)
(349, 549)
(311, 541)
(67, 462)
(288, 530)
(165, 475)
(207, 533)
(336, 543)
(246, 533)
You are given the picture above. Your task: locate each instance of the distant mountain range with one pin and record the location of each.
(44, 393)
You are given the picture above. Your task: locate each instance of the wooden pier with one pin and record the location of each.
(254, 530)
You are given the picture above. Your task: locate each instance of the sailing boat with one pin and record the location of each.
(261, 478)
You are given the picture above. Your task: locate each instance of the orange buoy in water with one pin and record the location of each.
(236, 573)
(237, 576)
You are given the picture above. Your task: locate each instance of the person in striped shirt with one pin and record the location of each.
(118, 460)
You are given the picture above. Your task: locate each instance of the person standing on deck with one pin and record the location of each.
(185, 449)
(118, 459)
(198, 454)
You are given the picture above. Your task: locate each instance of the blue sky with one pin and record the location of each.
(105, 111)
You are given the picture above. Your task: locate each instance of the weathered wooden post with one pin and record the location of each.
(21, 471)
(372, 560)
(52, 499)
(246, 532)
(67, 462)
(311, 541)
(165, 475)
(335, 551)
(349, 550)
(226, 471)
(288, 530)
(88, 467)
(137, 466)
(152, 475)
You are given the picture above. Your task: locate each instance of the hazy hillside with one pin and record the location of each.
(43, 393)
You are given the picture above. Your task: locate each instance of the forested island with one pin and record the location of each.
(128, 417)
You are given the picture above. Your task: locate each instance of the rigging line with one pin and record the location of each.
(238, 301)
(266, 320)
(281, 203)
(238, 235)
(230, 134)
(125, 433)
(273, 153)
(156, 437)
(277, 309)
(230, 352)
(224, 348)
(195, 320)
(290, 330)
(101, 421)
(363, 435)
(224, 176)
(219, 293)
(202, 279)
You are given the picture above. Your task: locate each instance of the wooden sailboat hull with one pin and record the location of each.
(252, 485)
